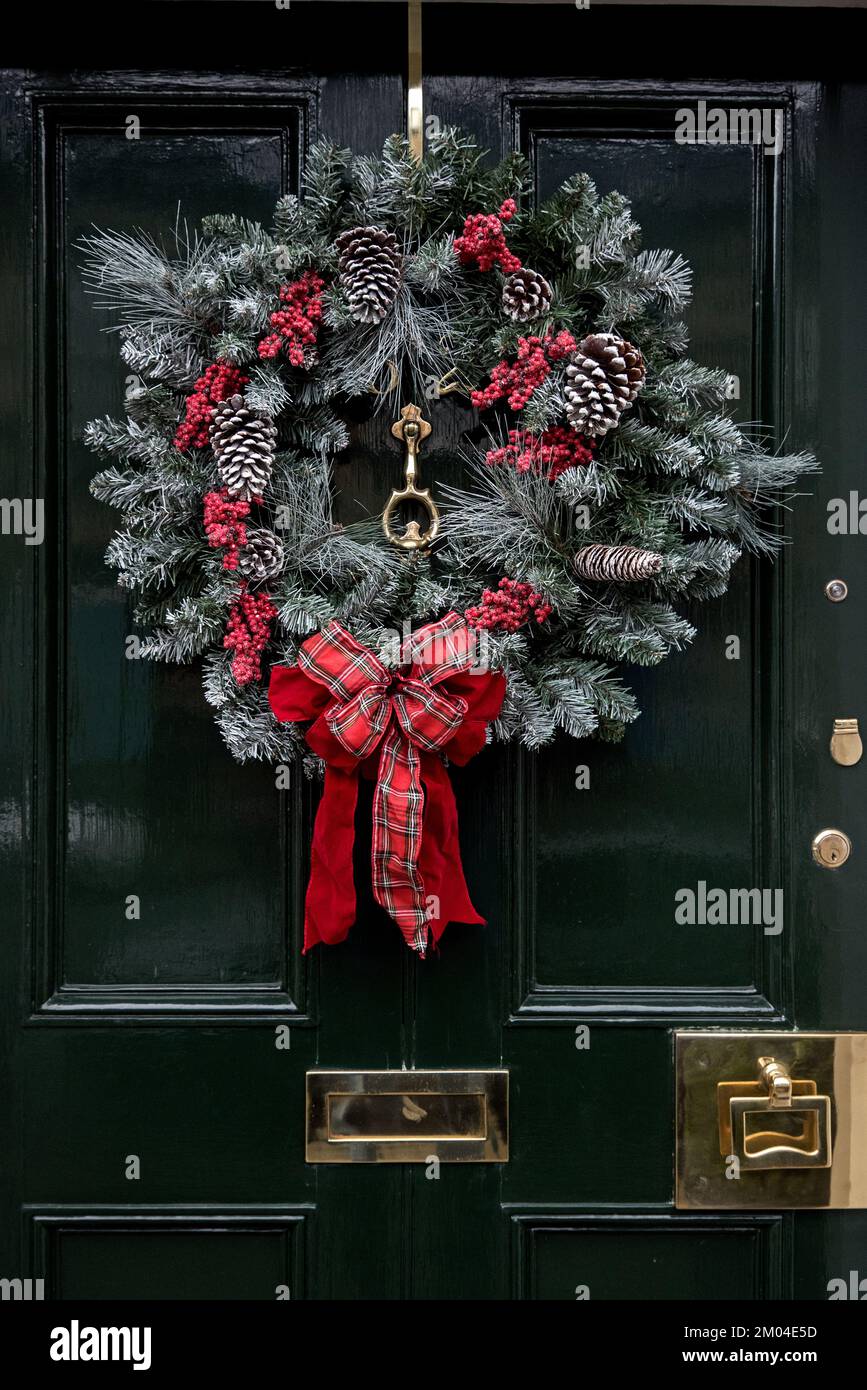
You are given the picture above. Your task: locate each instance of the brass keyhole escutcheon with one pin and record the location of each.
(846, 746)
(412, 430)
(831, 848)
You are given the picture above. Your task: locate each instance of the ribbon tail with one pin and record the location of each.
(396, 843)
(440, 860)
(329, 909)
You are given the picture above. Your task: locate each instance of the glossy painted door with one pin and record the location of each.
(155, 1114)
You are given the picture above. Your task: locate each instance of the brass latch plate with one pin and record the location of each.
(407, 1116)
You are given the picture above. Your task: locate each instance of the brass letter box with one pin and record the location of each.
(407, 1116)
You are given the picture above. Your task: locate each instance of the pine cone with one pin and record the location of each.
(243, 444)
(369, 261)
(602, 379)
(622, 563)
(262, 555)
(526, 295)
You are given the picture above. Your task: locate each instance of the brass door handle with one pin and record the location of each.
(775, 1121)
(761, 1114)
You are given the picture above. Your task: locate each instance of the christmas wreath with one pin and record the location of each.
(610, 484)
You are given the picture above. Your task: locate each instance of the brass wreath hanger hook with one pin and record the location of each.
(414, 99)
(412, 430)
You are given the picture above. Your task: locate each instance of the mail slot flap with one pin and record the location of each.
(407, 1116)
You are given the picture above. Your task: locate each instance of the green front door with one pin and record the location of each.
(158, 1016)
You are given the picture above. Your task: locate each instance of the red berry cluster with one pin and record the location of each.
(298, 323)
(224, 524)
(247, 634)
(483, 241)
(518, 380)
(508, 607)
(551, 452)
(220, 381)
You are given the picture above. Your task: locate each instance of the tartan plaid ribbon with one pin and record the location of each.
(393, 726)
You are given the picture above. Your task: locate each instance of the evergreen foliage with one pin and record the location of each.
(678, 476)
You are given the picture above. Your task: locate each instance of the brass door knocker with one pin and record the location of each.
(412, 429)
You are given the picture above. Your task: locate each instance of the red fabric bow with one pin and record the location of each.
(393, 726)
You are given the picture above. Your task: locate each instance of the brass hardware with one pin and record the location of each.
(831, 848)
(807, 1141)
(836, 590)
(793, 1134)
(414, 100)
(846, 746)
(777, 1080)
(407, 1116)
(412, 429)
